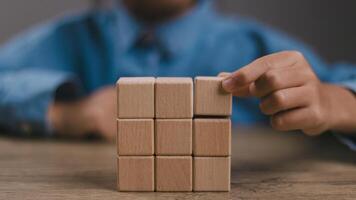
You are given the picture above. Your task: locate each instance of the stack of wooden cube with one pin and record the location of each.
(170, 139)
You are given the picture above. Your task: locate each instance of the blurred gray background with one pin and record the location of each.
(328, 26)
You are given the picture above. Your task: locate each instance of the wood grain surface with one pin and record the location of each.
(135, 97)
(173, 136)
(212, 173)
(135, 137)
(174, 173)
(135, 173)
(209, 97)
(265, 165)
(174, 98)
(211, 137)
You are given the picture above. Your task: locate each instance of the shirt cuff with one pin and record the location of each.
(348, 140)
(66, 89)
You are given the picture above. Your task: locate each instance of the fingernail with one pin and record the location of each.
(228, 84)
(224, 74)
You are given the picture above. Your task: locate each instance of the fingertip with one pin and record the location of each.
(228, 84)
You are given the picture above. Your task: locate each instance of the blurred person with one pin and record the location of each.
(58, 78)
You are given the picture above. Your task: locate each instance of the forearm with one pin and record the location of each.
(95, 113)
(24, 98)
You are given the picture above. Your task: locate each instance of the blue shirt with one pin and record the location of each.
(94, 49)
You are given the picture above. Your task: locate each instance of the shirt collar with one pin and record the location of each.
(176, 36)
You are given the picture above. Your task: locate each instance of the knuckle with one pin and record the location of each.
(266, 63)
(311, 132)
(272, 79)
(279, 99)
(243, 77)
(295, 54)
(264, 108)
(277, 122)
(317, 116)
(305, 73)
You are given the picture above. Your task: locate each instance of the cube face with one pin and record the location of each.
(173, 137)
(135, 97)
(135, 137)
(210, 99)
(135, 173)
(174, 98)
(174, 173)
(212, 137)
(212, 173)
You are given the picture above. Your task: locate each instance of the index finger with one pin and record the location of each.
(251, 72)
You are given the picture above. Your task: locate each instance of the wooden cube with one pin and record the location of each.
(210, 99)
(212, 173)
(212, 137)
(135, 97)
(173, 137)
(135, 137)
(174, 173)
(174, 98)
(135, 173)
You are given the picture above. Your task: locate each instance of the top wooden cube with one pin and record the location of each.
(174, 98)
(210, 99)
(135, 97)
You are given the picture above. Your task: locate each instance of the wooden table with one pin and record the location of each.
(265, 165)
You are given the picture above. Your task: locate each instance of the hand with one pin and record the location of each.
(101, 106)
(293, 96)
(94, 114)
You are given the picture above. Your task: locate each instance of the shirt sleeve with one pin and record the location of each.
(32, 67)
(343, 74)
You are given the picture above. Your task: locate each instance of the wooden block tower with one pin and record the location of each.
(135, 134)
(174, 114)
(161, 147)
(211, 135)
